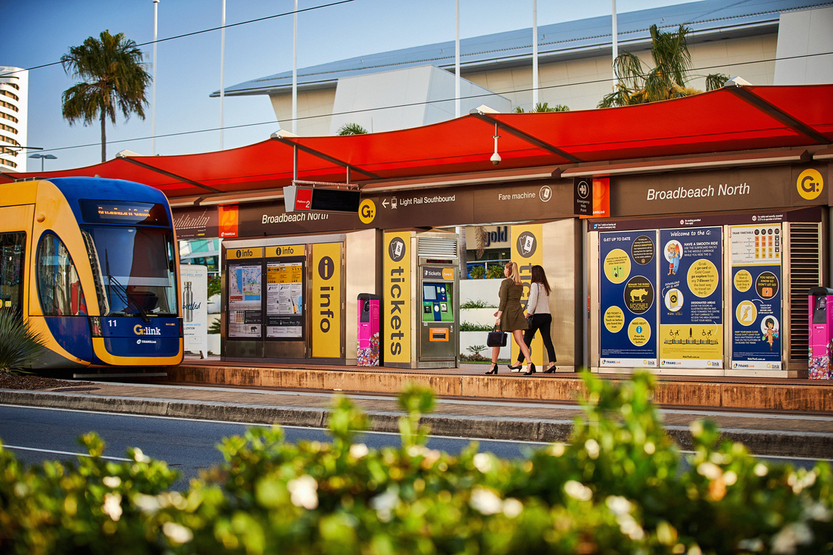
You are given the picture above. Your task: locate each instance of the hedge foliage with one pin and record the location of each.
(619, 486)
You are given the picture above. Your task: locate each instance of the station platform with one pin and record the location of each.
(469, 381)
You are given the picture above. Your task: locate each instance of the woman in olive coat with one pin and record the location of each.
(510, 314)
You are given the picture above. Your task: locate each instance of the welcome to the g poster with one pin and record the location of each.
(627, 293)
(691, 298)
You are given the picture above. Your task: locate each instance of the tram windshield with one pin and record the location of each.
(135, 270)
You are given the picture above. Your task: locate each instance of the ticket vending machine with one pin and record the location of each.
(821, 333)
(437, 314)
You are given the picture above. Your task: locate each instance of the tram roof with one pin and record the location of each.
(732, 119)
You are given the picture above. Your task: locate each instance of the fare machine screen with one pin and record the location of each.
(437, 302)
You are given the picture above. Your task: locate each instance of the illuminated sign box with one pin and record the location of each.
(300, 198)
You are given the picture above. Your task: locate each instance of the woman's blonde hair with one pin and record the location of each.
(514, 273)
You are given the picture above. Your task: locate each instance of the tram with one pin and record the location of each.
(92, 265)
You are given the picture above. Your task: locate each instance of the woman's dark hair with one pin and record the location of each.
(538, 276)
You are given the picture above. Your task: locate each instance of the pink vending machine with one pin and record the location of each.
(821, 333)
(368, 332)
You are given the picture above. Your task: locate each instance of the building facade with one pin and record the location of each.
(14, 107)
(765, 42)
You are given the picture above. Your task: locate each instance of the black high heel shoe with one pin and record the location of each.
(531, 370)
(515, 368)
(493, 369)
(550, 370)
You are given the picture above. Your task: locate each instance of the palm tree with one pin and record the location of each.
(637, 84)
(352, 129)
(112, 79)
(545, 107)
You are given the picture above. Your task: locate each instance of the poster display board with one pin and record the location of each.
(628, 291)
(527, 251)
(194, 283)
(244, 293)
(284, 300)
(756, 296)
(691, 298)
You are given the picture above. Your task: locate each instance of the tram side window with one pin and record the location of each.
(59, 287)
(12, 249)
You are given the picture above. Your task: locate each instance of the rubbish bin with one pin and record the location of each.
(367, 353)
(821, 333)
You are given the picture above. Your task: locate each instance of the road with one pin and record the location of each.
(39, 434)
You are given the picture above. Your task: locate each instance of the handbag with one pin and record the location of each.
(496, 338)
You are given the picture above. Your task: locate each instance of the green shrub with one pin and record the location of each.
(495, 272)
(468, 326)
(19, 345)
(477, 272)
(477, 304)
(618, 486)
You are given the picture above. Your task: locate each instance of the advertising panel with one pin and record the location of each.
(194, 285)
(326, 300)
(527, 251)
(628, 291)
(756, 296)
(397, 299)
(691, 298)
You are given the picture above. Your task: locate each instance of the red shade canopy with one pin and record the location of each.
(730, 119)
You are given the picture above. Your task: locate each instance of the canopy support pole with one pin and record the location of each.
(526, 137)
(759, 103)
(169, 174)
(323, 156)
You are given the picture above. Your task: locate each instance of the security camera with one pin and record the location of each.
(495, 159)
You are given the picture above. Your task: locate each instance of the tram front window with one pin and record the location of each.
(137, 269)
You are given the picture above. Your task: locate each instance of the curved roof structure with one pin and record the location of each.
(734, 118)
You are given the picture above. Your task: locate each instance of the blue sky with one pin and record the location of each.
(39, 32)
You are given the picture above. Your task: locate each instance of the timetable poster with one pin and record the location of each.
(691, 306)
(756, 296)
(284, 300)
(627, 282)
(244, 301)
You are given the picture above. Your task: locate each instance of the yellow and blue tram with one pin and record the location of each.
(92, 265)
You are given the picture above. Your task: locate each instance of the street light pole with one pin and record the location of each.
(42, 158)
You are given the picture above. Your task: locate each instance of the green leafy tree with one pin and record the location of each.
(639, 84)
(352, 129)
(113, 79)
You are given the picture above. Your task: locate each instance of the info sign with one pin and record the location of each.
(691, 302)
(756, 296)
(628, 292)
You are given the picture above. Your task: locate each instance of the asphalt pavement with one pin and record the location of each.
(774, 433)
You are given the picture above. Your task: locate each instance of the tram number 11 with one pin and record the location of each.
(112, 323)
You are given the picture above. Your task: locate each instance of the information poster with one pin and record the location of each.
(244, 300)
(284, 300)
(691, 303)
(628, 291)
(756, 296)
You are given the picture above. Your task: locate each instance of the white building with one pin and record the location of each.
(765, 42)
(14, 108)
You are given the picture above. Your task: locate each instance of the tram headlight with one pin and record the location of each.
(95, 326)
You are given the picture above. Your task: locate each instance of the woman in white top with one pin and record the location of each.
(538, 306)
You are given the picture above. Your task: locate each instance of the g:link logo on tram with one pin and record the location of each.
(139, 330)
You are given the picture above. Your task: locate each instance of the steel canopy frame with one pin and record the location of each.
(731, 119)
